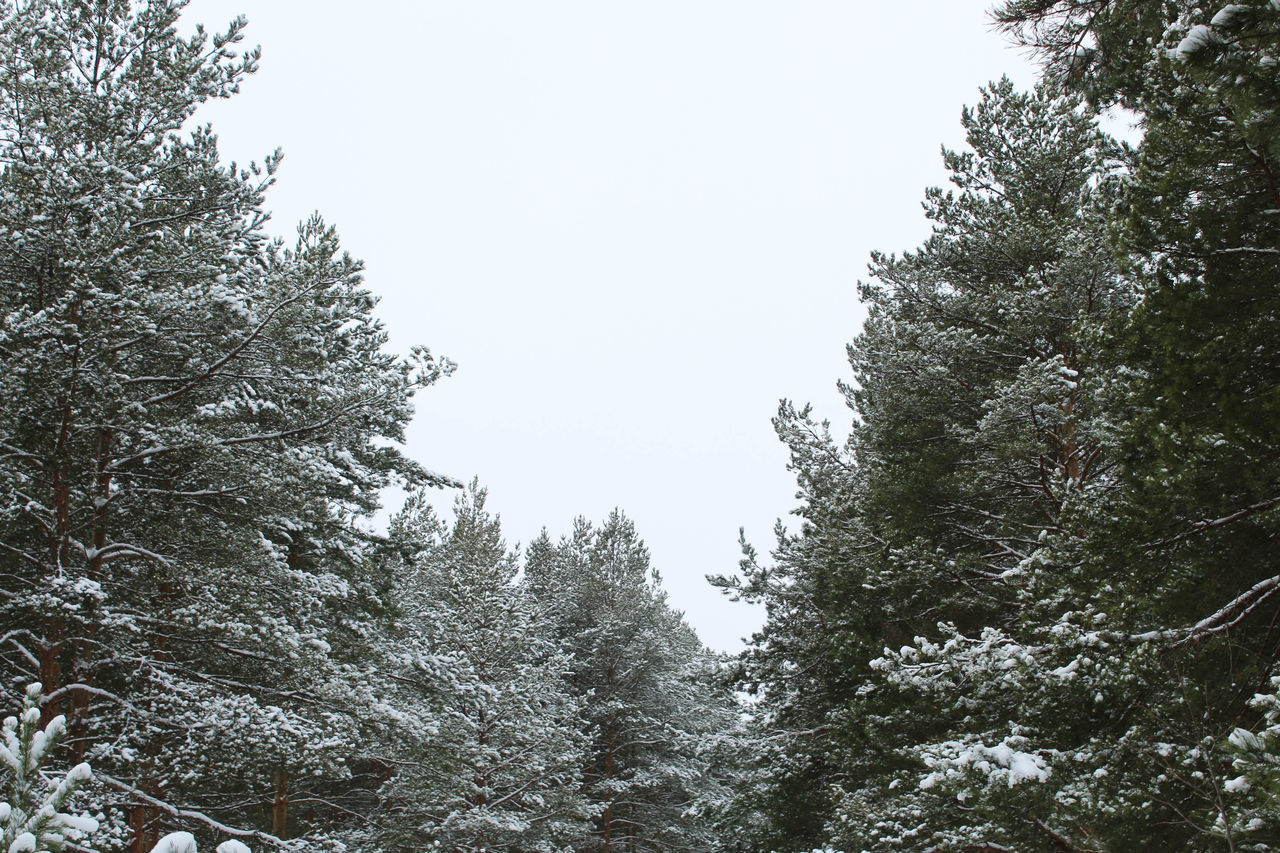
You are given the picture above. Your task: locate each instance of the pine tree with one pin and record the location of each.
(1198, 232)
(807, 658)
(502, 769)
(952, 517)
(650, 701)
(198, 417)
(34, 814)
(1055, 508)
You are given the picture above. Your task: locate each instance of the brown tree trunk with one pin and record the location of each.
(50, 654)
(482, 773)
(280, 806)
(139, 819)
(51, 650)
(1070, 450)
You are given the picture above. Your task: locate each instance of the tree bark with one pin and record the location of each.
(50, 654)
(280, 806)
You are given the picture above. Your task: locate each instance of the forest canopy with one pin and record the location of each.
(1028, 604)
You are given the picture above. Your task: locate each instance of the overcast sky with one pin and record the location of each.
(634, 226)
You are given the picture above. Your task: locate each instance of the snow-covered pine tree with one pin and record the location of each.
(985, 440)
(981, 439)
(1089, 686)
(34, 811)
(196, 416)
(652, 704)
(501, 767)
(1199, 231)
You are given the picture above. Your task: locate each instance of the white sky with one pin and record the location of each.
(634, 225)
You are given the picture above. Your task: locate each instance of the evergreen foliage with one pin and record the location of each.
(649, 701)
(34, 814)
(1042, 562)
(501, 770)
(1029, 604)
(197, 416)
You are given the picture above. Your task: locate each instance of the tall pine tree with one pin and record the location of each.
(651, 704)
(197, 416)
(982, 428)
(502, 768)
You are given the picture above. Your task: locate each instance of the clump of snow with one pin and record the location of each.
(1199, 37)
(1002, 762)
(24, 843)
(1228, 15)
(232, 846)
(176, 842)
(1079, 56)
(1066, 672)
(1026, 767)
(1238, 785)
(1245, 739)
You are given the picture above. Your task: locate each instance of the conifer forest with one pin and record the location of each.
(1030, 604)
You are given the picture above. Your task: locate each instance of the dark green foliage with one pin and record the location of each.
(981, 431)
(1044, 561)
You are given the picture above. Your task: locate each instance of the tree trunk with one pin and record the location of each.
(82, 670)
(608, 774)
(280, 806)
(50, 654)
(139, 818)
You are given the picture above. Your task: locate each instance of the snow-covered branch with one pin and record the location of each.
(1231, 614)
(188, 814)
